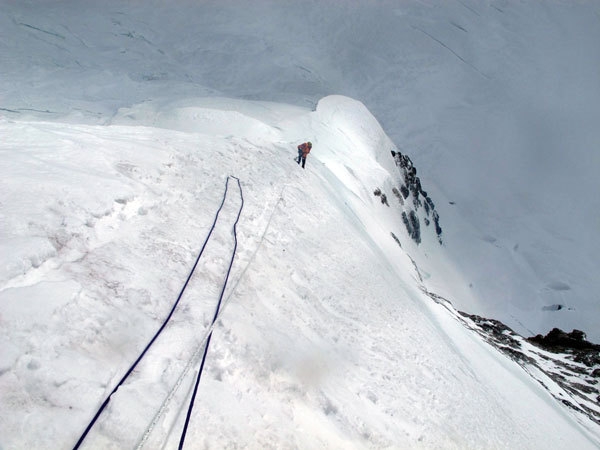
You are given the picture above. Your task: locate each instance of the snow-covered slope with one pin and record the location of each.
(120, 123)
(325, 339)
(496, 102)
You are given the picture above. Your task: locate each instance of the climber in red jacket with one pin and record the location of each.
(303, 151)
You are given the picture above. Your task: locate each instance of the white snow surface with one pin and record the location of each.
(120, 124)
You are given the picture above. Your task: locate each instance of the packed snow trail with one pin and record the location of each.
(193, 398)
(201, 346)
(206, 341)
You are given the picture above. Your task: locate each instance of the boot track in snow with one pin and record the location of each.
(205, 342)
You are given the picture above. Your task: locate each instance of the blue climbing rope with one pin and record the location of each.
(133, 366)
(191, 405)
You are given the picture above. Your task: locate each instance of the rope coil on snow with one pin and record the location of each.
(164, 324)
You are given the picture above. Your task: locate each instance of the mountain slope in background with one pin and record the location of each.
(117, 142)
(495, 102)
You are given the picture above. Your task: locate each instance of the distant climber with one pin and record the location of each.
(303, 151)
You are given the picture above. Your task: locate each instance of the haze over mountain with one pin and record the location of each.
(121, 122)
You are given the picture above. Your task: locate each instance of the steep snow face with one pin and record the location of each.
(326, 338)
(495, 102)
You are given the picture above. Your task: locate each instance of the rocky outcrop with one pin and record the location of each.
(558, 340)
(564, 359)
(565, 364)
(414, 198)
(415, 205)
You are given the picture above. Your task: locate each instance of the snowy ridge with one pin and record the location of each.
(326, 338)
(496, 102)
(121, 121)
